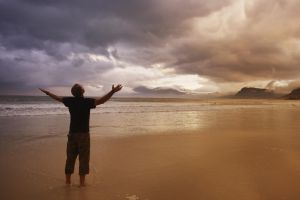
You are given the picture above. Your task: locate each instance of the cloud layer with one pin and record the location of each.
(222, 44)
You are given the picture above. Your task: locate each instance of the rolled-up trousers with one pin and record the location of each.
(78, 144)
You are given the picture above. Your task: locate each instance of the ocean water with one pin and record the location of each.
(40, 105)
(42, 116)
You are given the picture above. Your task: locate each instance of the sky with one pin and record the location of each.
(151, 47)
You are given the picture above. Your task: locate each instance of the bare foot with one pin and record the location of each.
(82, 180)
(68, 179)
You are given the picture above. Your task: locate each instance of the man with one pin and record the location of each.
(79, 137)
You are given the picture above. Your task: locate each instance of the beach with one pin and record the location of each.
(156, 150)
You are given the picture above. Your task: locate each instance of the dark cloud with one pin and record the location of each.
(56, 30)
(236, 60)
(224, 41)
(263, 48)
(28, 70)
(30, 23)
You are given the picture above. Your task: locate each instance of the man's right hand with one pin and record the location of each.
(117, 88)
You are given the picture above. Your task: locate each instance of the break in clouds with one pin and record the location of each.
(191, 46)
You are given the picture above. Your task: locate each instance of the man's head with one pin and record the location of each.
(77, 90)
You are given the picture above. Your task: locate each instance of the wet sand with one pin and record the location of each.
(247, 154)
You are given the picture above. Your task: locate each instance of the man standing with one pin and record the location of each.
(79, 136)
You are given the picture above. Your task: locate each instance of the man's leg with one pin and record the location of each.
(72, 152)
(84, 157)
(68, 179)
(82, 180)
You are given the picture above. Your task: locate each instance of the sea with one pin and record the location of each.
(40, 115)
(43, 105)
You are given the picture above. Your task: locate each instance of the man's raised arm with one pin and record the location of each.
(53, 96)
(108, 95)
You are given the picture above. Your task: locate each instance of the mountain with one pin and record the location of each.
(157, 91)
(295, 94)
(255, 93)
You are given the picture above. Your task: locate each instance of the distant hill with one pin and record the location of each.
(295, 94)
(255, 93)
(157, 91)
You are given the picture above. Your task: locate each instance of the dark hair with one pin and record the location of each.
(77, 90)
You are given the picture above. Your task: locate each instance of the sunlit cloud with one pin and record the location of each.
(183, 82)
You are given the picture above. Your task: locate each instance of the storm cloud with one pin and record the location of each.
(136, 42)
(262, 44)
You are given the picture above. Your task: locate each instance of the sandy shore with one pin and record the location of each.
(160, 167)
(243, 153)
